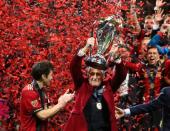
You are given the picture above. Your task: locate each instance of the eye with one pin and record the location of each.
(165, 27)
(98, 74)
(92, 73)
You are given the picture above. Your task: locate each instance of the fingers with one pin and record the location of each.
(67, 91)
(68, 96)
(118, 109)
(164, 3)
(160, 11)
(71, 97)
(133, 1)
(90, 42)
(119, 113)
(114, 48)
(65, 98)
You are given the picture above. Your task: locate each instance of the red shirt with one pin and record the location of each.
(30, 105)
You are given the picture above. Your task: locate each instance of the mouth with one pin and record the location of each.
(149, 28)
(95, 81)
(152, 60)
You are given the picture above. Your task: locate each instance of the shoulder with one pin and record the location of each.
(167, 62)
(29, 91)
(166, 90)
(165, 96)
(28, 87)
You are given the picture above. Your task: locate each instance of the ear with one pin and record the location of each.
(104, 74)
(43, 76)
(87, 71)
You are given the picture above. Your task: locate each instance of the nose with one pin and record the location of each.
(96, 76)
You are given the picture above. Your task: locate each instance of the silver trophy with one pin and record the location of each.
(106, 32)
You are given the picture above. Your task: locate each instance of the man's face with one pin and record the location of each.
(46, 79)
(153, 56)
(167, 20)
(168, 33)
(144, 44)
(148, 25)
(95, 77)
(124, 53)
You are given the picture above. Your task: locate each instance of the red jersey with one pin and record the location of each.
(31, 103)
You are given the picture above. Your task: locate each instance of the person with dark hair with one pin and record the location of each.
(94, 104)
(40, 68)
(34, 106)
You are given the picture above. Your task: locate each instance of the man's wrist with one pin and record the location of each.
(127, 112)
(156, 26)
(156, 8)
(82, 52)
(60, 106)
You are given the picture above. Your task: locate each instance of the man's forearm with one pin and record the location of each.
(47, 113)
(137, 28)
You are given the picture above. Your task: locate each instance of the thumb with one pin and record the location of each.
(73, 93)
(67, 91)
(118, 109)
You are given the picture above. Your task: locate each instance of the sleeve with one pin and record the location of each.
(162, 50)
(31, 101)
(155, 27)
(156, 40)
(155, 30)
(133, 66)
(156, 104)
(119, 77)
(75, 69)
(167, 68)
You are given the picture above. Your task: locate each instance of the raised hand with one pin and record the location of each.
(119, 113)
(90, 42)
(114, 49)
(159, 15)
(133, 2)
(160, 3)
(113, 53)
(65, 98)
(133, 5)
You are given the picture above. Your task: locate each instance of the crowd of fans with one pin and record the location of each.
(146, 58)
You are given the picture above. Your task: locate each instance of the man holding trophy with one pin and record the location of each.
(94, 103)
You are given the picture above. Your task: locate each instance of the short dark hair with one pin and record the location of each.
(40, 68)
(151, 47)
(148, 17)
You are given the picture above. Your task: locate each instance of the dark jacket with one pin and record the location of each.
(163, 101)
